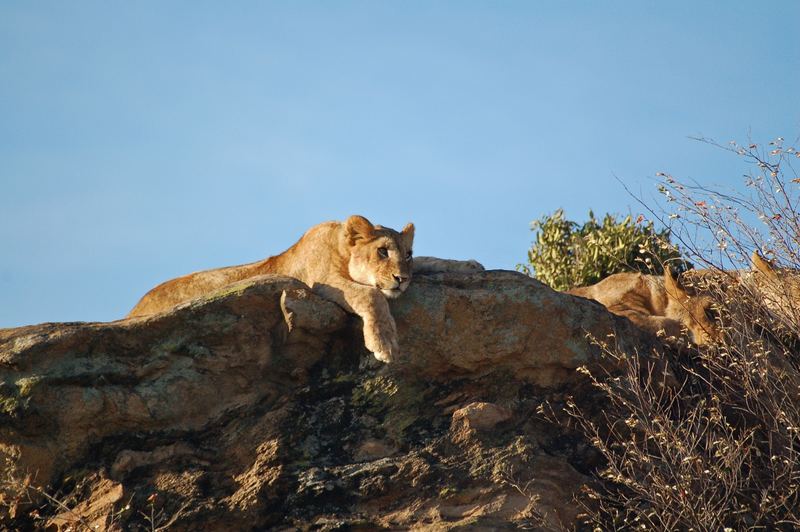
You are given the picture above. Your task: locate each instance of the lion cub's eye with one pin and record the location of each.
(408, 256)
(383, 252)
(711, 314)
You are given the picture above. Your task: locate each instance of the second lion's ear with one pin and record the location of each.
(407, 235)
(357, 227)
(674, 289)
(763, 266)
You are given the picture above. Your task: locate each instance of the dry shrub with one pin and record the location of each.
(717, 444)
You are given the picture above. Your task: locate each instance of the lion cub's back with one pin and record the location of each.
(633, 290)
(181, 289)
(311, 259)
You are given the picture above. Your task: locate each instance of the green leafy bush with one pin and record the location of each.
(565, 254)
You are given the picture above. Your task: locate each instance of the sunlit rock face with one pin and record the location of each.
(259, 407)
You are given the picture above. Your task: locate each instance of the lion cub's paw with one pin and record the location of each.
(387, 353)
(384, 357)
(383, 346)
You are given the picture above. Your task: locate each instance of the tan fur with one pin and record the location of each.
(424, 265)
(779, 288)
(655, 304)
(354, 263)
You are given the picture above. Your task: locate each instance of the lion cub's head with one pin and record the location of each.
(697, 311)
(379, 256)
(779, 288)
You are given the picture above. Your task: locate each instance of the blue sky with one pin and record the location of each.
(144, 140)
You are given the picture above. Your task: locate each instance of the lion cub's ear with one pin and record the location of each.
(763, 266)
(407, 234)
(357, 227)
(674, 289)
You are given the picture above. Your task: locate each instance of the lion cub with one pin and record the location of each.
(778, 288)
(656, 304)
(354, 263)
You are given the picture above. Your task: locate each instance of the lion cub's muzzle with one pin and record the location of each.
(397, 286)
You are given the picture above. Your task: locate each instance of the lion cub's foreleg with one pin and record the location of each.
(657, 325)
(380, 331)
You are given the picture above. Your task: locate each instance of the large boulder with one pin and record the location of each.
(258, 406)
(459, 325)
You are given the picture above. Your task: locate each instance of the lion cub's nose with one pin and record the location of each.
(400, 279)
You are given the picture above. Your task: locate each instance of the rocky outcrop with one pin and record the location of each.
(258, 407)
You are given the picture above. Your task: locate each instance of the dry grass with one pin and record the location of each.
(715, 444)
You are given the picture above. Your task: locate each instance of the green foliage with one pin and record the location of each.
(565, 254)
